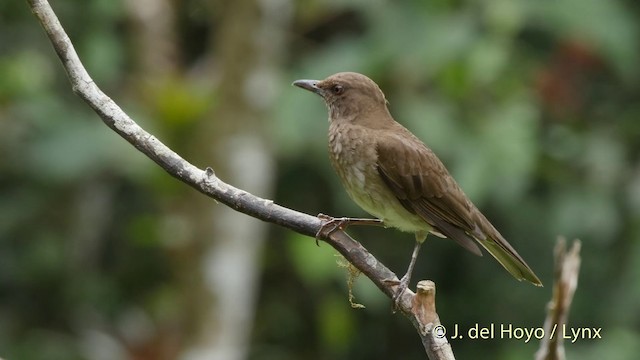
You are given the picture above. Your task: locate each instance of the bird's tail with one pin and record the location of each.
(509, 258)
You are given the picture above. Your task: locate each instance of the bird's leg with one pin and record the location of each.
(421, 236)
(332, 224)
(404, 282)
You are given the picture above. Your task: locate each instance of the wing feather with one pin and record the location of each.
(424, 187)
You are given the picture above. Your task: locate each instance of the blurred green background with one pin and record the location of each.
(534, 106)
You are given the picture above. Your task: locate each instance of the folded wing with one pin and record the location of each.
(424, 187)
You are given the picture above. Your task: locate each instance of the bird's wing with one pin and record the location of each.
(423, 185)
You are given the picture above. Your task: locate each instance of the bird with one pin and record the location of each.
(394, 176)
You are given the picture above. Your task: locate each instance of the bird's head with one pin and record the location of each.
(347, 94)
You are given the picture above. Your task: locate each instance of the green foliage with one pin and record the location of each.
(532, 105)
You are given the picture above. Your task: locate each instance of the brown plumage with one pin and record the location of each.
(392, 175)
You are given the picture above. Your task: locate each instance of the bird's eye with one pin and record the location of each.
(337, 89)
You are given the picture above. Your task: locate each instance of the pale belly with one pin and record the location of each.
(366, 188)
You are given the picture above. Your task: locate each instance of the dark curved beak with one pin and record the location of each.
(311, 85)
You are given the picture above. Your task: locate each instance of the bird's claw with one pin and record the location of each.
(329, 225)
(332, 224)
(402, 285)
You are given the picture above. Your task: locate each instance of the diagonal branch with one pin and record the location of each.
(419, 309)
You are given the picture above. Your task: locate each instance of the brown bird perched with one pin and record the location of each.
(395, 177)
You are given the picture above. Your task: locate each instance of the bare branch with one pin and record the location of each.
(420, 309)
(567, 268)
(427, 321)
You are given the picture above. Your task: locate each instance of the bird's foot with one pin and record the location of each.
(329, 225)
(332, 224)
(402, 285)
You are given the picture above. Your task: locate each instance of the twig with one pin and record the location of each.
(567, 268)
(207, 183)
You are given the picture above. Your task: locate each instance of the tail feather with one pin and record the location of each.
(510, 259)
